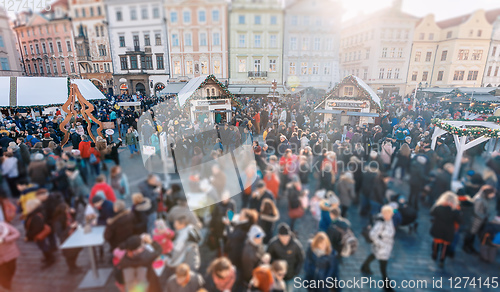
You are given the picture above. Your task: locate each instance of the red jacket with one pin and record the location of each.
(106, 189)
(84, 148)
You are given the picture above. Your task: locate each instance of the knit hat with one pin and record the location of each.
(133, 243)
(421, 159)
(97, 199)
(284, 229)
(38, 156)
(255, 232)
(46, 135)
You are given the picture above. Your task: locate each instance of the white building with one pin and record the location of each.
(139, 49)
(491, 75)
(10, 63)
(311, 45)
(377, 49)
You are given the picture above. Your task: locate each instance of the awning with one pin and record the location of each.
(123, 87)
(172, 88)
(256, 89)
(325, 111)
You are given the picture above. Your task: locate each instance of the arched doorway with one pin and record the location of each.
(98, 84)
(139, 87)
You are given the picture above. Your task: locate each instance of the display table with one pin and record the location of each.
(95, 278)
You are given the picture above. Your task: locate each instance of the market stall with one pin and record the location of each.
(205, 97)
(351, 102)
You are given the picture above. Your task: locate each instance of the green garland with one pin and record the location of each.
(350, 79)
(475, 132)
(480, 110)
(221, 85)
(494, 120)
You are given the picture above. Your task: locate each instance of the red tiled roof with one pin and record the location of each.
(491, 15)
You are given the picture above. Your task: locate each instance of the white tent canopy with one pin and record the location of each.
(366, 87)
(461, 141)
(40, 91)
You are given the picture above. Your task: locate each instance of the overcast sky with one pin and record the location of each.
(442, 9)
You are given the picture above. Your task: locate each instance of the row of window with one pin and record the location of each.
(146, 62)
(136, 40)
(202, 39)
(39, 68)
(306, 20)
(107, 68)
(144, 13)
(392, 53)
(257, 19)
(307, 68)
(353, 56)
(305, 44)
(257, 41)
(457, 76)
(32, 30)
(197, 67)
(356, 73)
(490, 70)
(391, 74)
(202, 16)
(91, 12)
(36, 48)
(257, 65)
(463, 54)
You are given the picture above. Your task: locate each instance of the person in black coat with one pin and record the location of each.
(141, 208)
(418, 179)
(236, 238)
(218, 222)
(377, 194)
(286, 247)
(120, 227)
(442, 182)
(446, 215)
(104, 210)
(34, 225)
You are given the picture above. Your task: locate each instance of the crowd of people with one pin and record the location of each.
(384, 172)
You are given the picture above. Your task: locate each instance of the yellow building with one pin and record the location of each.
(449, 53)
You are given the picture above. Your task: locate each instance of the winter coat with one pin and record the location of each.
(378, 189)
(320, 267)
(104, 188)
(130, 266)
(34, 223)
(130, 139)
(345, 192)
(386, 153)
(292, 253)
(78, 187)
(10, 167)
(105, 212)
(382, 235)
(38, 172)
(441, 184)
(251, 258)
(8, 248)
(236, 242)
(368, 178)
(443, 222)
(183, 211)
(194, 284)
(119, 228)
(148, 191)
(141, 212)
(418, 174)
(221, 285)
(84, 148)
(186, 248)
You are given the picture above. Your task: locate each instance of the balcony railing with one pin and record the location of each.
(257, 74)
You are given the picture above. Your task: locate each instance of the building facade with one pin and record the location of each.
(491, 76)
(377, 49)
(139, 49)
(47, 43)
(311, 44)
(450, 53)
(10, 62)
(256, 42)
(92, 42)
(198, 42)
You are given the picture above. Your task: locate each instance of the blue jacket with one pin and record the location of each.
(321, 268)
(105, 212)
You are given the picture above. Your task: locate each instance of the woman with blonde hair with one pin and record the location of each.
(321, 262)
(446, 219)
(382, 237)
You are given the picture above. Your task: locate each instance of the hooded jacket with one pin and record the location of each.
(292, 253)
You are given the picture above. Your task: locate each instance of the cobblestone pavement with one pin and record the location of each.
(410, 260)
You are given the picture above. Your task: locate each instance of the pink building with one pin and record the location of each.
(46, 42)
(198, 43)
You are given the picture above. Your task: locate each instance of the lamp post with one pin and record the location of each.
(274, 86)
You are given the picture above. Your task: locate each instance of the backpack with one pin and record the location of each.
(9, 210)
(349, 242)
(92, 159)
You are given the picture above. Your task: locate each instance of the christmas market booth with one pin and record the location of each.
(478, 100)
(350, 103)
(205, 97)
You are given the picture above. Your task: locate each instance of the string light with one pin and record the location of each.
(475, 132)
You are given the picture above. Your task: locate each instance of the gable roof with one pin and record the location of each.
(491, 16)
(186, 93)
(365, 89)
